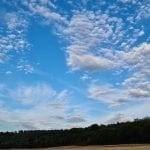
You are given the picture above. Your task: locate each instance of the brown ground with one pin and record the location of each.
(119, 147)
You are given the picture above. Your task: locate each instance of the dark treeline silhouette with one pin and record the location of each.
(134, 132)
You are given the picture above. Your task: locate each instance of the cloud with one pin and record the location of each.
(88, 62)
(85, 77)
(116, 96)
(13, 43)
(128, 1)
(141, 33)
(13, 30)
(89, 32)
(117, 117)
(86, 32)
(45, 9)
(129, 113)
(108, 94)
(25, 66)
(139, 93)
(134, 87)
(33, 94)
(13, 21)
(138, 56)
(77, 119)
(143, 13)
(138, 62)
(96, 41)
(37, 106)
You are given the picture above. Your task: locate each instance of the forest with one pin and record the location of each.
(135, 132)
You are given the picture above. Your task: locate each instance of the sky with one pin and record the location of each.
(73, 63)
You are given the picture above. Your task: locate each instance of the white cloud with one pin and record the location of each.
(138, 56)
(88, 32)
(13, 37)
(144, 12)
(85, 32)
(133, 87)
(141, 33)
(85, 77)
(33, 94)
(117, 117)
(42, 107)
(25, 66)
(129, 1)
(88, 61)
(139, 93)
(8, 72)
(45, 9)
(13, 43)
(96, 41)
(13, 21)
(138, 62)
(129, 113)
(116, 96)
(108, 94)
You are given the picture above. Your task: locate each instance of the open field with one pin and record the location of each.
(111, 147)
(120, 147)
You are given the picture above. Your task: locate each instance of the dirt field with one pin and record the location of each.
(120, 147)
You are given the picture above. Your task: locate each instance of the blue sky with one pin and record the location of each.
(66, 63)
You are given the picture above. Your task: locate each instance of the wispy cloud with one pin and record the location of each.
(32, 94)
(108, 94)
(44, 108)
(45, 9)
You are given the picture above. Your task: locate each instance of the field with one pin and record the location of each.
(110, 147)
(119, 147)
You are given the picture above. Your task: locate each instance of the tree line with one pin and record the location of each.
(136, 132)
